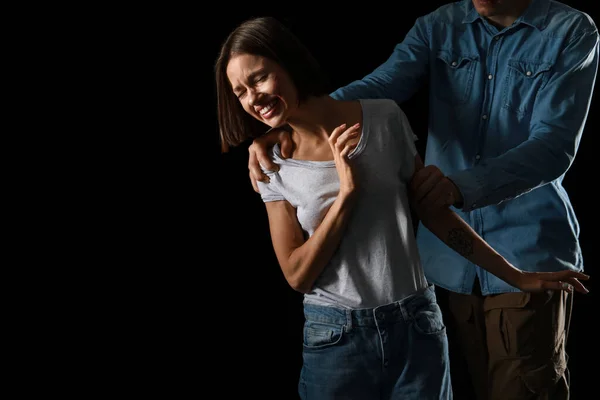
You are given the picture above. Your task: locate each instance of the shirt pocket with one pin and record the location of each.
(523, 81)
(453, 76)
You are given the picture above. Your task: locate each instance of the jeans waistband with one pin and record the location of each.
(398, 310)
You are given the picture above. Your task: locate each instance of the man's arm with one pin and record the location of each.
(451, 229)
(562, 107)
(399, 77)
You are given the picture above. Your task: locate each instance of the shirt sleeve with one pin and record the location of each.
(270, 191)
(400, 76)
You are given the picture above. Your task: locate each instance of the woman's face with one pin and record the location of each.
(264, 89)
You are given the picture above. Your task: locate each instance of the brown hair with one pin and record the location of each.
(269, 38)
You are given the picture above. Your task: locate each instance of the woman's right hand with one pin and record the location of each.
(342, 141)
(258, 154)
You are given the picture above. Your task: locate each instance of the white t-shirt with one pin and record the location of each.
(377, 261)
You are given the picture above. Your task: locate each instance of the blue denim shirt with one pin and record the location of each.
(507, 110)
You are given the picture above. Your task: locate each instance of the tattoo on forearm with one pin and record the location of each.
(460, 241)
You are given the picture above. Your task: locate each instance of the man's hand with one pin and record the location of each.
(432, 190)
(258, 154)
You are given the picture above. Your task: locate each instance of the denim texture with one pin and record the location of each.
(394, 351)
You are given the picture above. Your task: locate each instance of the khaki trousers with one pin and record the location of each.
(507, 346)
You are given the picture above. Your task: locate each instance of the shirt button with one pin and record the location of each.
(484, 116)
(497, 38)
(454, 63)
(474, 205)
(528, 73)
(477, 157)
(490, 76)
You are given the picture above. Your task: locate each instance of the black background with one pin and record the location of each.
(257, 333)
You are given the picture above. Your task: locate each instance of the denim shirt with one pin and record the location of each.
(507, 111)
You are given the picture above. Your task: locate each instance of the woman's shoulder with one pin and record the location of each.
(381, 108)
(364, 107)
(385, 105)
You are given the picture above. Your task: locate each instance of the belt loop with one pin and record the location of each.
(348, 320)
(404, 310)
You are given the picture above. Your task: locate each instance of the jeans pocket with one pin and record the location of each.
(319, 335)
(428, 320)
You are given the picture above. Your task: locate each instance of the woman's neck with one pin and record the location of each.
(314, 121)
(318, 116)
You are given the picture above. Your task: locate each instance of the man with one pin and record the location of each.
(511, 83)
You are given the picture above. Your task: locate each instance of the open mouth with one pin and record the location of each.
(269, 110)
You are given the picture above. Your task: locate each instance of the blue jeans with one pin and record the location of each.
(394, 351)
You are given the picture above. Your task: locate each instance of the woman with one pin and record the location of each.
(340, 223)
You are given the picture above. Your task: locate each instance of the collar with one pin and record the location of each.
(535, 15)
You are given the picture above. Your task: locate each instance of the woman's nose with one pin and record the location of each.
(251, 97)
